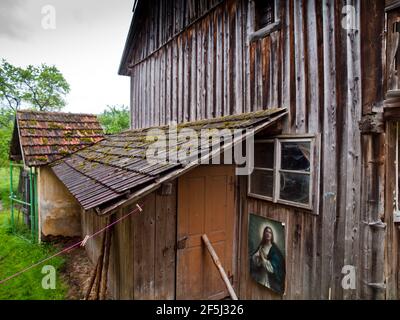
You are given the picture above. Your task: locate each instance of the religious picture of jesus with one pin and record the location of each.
(267, 253)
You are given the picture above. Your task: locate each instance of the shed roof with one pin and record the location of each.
(43, 137)
(116, 169)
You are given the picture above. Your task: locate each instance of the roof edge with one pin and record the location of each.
(175, 174)
(57, 113)
(123, 69)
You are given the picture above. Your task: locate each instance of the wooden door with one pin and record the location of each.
(205, 206)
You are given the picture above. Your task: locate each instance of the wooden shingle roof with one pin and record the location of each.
(116, 169)
(43, 137)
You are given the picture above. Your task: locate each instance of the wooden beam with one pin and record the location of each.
(218, 264)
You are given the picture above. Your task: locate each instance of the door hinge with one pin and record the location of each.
(181, 244)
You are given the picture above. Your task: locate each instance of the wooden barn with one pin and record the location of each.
(40, 138)
(317, 83)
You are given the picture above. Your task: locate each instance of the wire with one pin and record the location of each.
(138, 209)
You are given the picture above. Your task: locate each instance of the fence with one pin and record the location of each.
(23, 202)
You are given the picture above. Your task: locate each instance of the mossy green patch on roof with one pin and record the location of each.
(50, 136)
(118, 165)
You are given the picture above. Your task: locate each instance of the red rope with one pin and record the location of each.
(139, 208)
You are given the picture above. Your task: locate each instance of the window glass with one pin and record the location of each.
(295, 156)
(293, 171)
(262, 183)
(264, 154)
(265, 13)
(295, 187)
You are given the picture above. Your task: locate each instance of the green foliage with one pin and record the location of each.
(11, 86)
(115, 119)
(17, 254)
(5, 185)
(6, 126)
(41, 87)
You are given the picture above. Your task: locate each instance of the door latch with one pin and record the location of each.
(181, 244)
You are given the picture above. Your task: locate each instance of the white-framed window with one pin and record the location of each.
(284, 171)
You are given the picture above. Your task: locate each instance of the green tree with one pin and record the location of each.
(41, 87)
(115, 119)
(6, 126)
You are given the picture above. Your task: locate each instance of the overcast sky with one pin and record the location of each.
(86, 45)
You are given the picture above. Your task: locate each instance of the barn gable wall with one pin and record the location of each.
(329, 77)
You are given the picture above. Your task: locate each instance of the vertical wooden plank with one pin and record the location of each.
(258, 92)
(210, 70)
(163, 105)
(313, 76)
(226, 61)
(193, 75)
(200, 72)
(126, 256)
(186, 77)
(266, 74)
(169, 85)
(247, 30)
(146, 105)
(219, 86)
(352, 145)
(237, 46)
(181, 111)
(275, 72)
(156, 90)
(152, 114)
(175, 84)
(165, 246)
(144, 250)
(329, 182)
(372, 28)
(300, 67)
(253, 79)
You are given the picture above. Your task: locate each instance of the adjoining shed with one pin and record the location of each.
(110, 176)
(40, 138)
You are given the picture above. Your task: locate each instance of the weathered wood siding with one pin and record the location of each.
(327, 75)
(142, 261)
(209, 69)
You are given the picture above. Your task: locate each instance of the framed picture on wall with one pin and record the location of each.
(267, 252)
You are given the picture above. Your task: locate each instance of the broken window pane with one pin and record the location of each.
(262, 183)
(295, 187)
(296, 156)
(264, 154)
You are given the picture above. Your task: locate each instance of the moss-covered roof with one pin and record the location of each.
(117, 166)
(45, 137)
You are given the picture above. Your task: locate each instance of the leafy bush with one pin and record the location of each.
(115, 119)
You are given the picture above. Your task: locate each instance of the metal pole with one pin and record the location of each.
(31, 204)
(11, 197)
(35, 198)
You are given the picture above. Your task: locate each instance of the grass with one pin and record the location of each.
(16, 254)
(5, 184)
